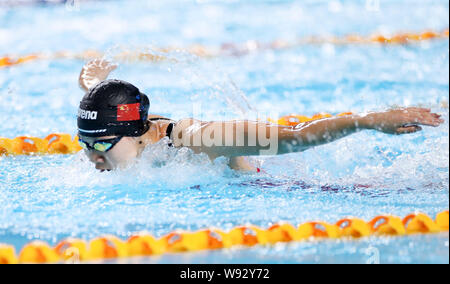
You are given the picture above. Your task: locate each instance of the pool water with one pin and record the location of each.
(53, 197)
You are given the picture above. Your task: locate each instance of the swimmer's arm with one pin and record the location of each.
(236, 138)
(94, 72)
(226, 138)
(319, 132)
(251, 138)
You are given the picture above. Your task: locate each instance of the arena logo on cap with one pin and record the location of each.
(128, 112)
(86, 114)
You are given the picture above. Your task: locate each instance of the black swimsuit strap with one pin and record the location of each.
(169, 132)
(159, 118)
(169, 127)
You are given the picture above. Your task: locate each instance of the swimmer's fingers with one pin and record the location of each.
(418, 116)
(106, 65)
(428, 119)
(94, 72)
(435, 119)
(99, 67)
(408, 129)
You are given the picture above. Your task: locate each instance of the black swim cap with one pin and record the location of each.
(113, 107)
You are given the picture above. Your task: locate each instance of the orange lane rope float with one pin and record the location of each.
(52, 144)
(110, 247)
(65, 144)
(232, 49)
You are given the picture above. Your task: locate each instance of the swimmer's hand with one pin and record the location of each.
(94, 72)
(401, 121)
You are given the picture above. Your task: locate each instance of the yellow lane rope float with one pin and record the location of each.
(231, 49)
(110, 247)
(65, 144)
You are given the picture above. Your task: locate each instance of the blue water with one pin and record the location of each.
(53, 197)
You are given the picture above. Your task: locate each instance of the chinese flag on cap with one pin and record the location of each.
(128, 112)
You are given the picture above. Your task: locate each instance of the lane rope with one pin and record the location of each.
(233, 49)
(110, 247)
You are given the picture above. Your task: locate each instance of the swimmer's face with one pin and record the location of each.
(121, 155)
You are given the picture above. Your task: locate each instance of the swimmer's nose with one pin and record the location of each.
(96, 158)
(100, 160)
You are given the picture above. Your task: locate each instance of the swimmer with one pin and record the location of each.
(114, 127)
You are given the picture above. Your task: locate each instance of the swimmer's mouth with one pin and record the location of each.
(102, 168)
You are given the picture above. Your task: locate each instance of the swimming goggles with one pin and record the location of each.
(100, 145)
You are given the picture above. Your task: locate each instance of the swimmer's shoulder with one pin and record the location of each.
(180, 126)
(186, 122)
